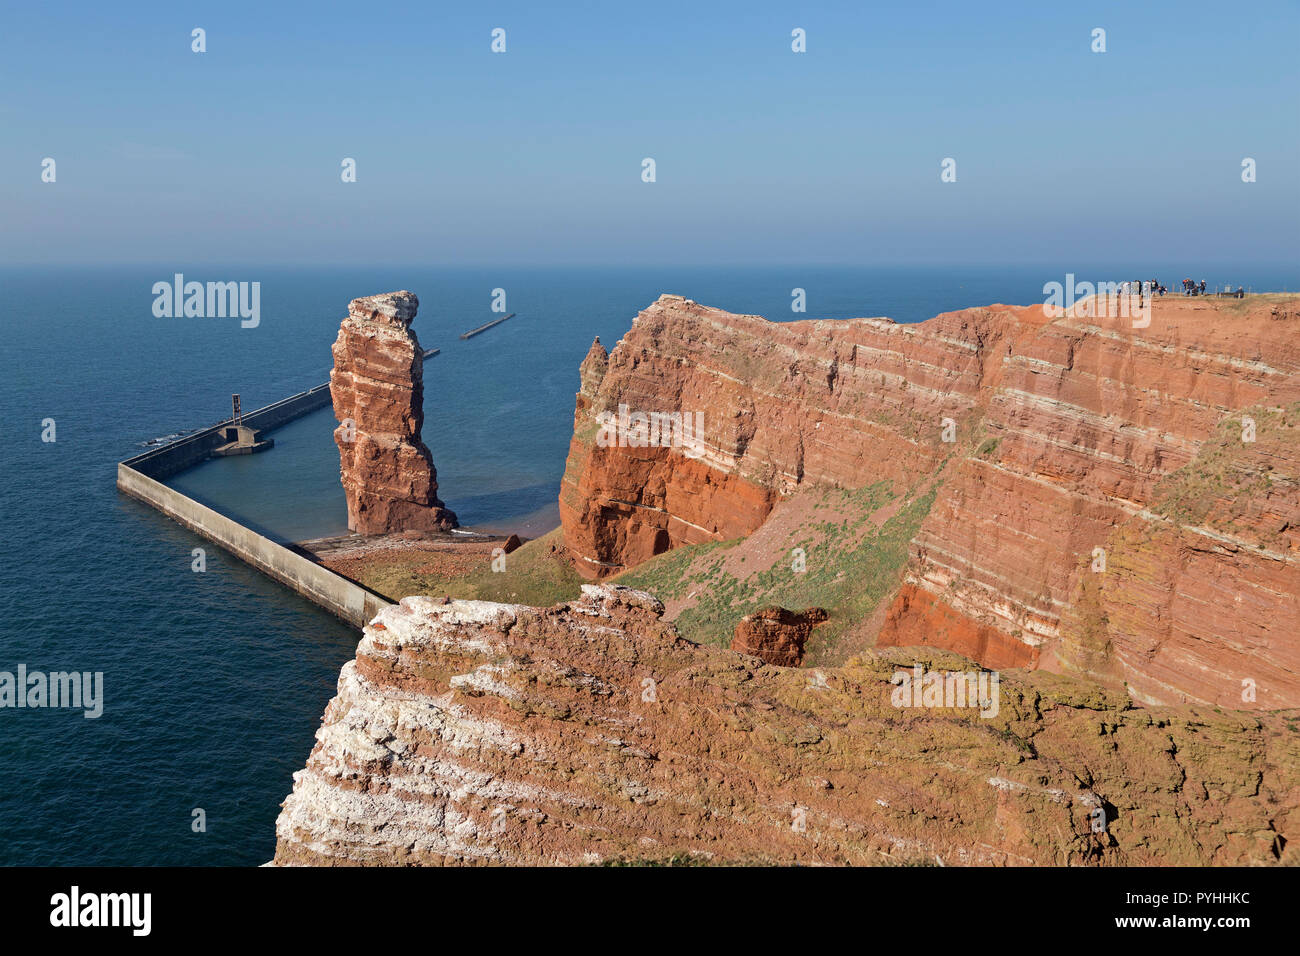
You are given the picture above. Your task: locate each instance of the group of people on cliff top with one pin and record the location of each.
(1190, 287)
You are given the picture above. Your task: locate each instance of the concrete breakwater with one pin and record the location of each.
(141, 478)
(175, 457)
(483, 328)
(331, 591)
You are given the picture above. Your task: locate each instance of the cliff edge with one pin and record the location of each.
(469, 732)
(1115, 500)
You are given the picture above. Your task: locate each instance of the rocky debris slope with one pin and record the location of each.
(470, 732)
(776, 635)
(1084, 522)
(377, 385)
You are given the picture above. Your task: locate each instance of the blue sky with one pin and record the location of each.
(763, 155)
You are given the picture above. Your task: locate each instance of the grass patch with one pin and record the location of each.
(1228, 469)
(851, 566)
(665, 576)
(533, 576)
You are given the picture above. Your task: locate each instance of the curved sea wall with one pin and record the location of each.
(318, 584)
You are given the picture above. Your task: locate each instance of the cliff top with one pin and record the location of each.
(387, 308)
(590, 732)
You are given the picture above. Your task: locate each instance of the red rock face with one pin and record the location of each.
(378, 390)
(919, 619)
(776, 635)
(470, 732)
(1070, 435)
(781, 404)
(1129, 441)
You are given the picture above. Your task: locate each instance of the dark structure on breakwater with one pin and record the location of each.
(142, 477)
(186, 452)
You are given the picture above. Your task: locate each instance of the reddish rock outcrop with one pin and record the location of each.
(1071, 438)
(377, 385)
(1101, 527)
(468, 732)
(781, 404)
(776, 635)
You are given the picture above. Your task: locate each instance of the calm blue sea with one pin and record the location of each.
(214, 683)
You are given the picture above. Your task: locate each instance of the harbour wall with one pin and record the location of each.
(141, 478)
(337, 594)
(186, 452)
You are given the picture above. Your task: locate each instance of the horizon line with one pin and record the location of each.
(1254, 263)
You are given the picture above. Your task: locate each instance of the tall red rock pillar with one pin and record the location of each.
(378, 389)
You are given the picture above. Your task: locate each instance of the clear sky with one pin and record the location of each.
(762, 155)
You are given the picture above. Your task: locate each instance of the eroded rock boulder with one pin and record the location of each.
(776, 635)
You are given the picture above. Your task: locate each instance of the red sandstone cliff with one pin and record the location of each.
(471, 732)
(782, 404)
(776, 635)
(1069, 435)
(1097, 512)
(378, 390)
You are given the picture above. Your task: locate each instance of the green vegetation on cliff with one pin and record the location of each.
(854, 547)
(533, 575)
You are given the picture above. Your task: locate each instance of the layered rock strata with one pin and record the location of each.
(776, 635)
(781, 404)
(474, 733)
(377, 385)
(1100, 511)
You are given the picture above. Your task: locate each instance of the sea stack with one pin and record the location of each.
(378, 390)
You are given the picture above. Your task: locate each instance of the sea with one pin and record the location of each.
(214, 681)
